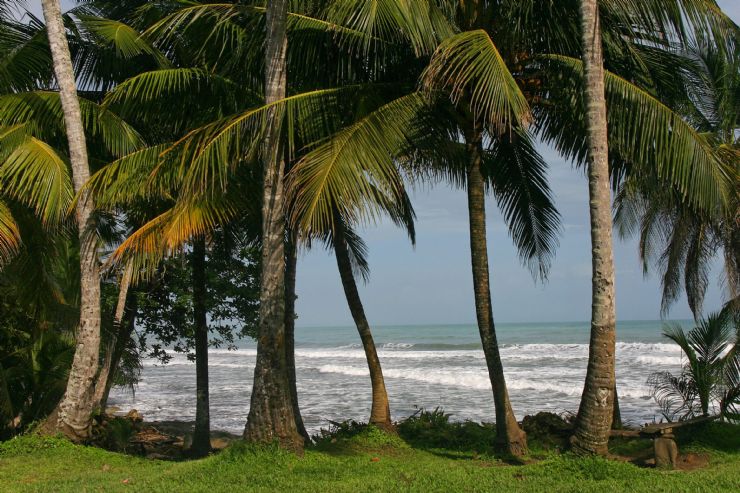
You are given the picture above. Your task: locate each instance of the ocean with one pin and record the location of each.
(425, 366)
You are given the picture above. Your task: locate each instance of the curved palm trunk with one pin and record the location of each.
(510, 437)
(202, 434)
(595, 412)
(73, 416)
(124, 336)
(291, 267)
(271, 412)
(119, 337)
(380, 413)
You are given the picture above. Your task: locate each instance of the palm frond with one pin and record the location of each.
(517, 175)
(354, 171)
(166, 233)
(34, 174)
(10, 236)
(208, 153)
(127, 42)
(42, 112)
(132, 178)
(470, 67)
(650, 135)
(419, 22)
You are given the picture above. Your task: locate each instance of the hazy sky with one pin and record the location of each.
(433, 282)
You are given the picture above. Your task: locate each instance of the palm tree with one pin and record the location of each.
(710, 374)
(593, 424)
(677, 237)
(74, 414)
(35, 167)
(492, 91)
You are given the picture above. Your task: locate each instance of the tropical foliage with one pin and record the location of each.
(709, 378)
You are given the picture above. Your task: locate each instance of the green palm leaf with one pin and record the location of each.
(647, 133)
(517, 175)
(42, 113)
(10, 236)
(127, 42)
(469, 66)
(354, 172)
(34, 174)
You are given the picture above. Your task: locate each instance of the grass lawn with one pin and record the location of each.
(365, 461)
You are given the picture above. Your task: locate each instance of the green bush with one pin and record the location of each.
(433, 429)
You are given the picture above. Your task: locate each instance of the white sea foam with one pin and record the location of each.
(333, 381)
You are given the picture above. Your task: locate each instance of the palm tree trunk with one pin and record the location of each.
(271, 416)
(291, 267)
(124, 336)
(119, 331)
(616, 412)
(510, 437)
(380, 413)
(202, 433)
(73, 416)
(595, 413)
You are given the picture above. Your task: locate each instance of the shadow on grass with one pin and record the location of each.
(721, 437)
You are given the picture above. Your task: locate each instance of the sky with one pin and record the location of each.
(432, 282)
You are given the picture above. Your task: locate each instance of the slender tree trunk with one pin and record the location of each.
(271, 416)
(380, 412)
(119, 330)
(202, 433)
(124, 336)
(73, 416)
(616, 412)
(291, 267)
(510, 437)
(595, 413)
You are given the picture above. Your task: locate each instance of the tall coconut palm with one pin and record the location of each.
(271, 411)
(380, 411)
(74, 415)
(595, 414)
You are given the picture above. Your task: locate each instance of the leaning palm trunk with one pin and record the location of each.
(125, 331)
(510, 437)
(595, 412)
(291, 266)
(202, 434)
(73, 416)
(380, 413)
(118, 338)
(271, 416)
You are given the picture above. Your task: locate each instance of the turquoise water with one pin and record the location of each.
(466, 336)
(424, 366)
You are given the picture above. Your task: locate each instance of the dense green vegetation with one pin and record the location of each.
(367, 460)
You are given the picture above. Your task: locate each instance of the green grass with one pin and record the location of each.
(360, 459)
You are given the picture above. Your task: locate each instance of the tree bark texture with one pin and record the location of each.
(291, 267)
(202, 434)
(271, 413)
(594, 420)
(73, 416)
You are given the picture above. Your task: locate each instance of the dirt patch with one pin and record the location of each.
(692, 462)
